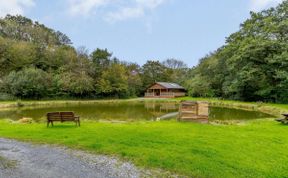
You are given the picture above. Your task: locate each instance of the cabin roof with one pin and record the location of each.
(169, 85)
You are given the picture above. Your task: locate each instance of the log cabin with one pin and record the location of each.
(165, 90)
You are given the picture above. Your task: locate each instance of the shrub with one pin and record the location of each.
(26, 83)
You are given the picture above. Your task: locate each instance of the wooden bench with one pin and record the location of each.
(62, 117)
(285, 120)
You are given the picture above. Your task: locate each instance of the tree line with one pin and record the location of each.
(38, 62)
(252, 65)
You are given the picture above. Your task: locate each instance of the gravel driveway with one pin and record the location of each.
(25, 160)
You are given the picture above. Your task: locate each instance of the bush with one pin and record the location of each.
(79, 85)
(6, 97)
(26, 83)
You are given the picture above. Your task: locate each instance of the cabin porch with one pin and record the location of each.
(163, 93)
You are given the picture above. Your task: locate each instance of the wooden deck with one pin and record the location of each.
(193, 111)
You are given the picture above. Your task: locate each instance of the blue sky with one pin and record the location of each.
(141, 30)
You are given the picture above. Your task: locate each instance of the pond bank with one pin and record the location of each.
(13, 104)
(269, 108)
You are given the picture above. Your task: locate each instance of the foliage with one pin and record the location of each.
(24, 29)
(27, 83)
(252, 66)
(74, 84)
(153, 71)
(113, 81)
(176, 70)
(71, 72)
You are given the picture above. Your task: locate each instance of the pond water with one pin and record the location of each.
(125, 111)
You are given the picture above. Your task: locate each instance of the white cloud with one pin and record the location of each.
(151, 4)
(138, 9)
(14, 7)
(115, 10)
(85, 7)
(125, 13)
(258, 5)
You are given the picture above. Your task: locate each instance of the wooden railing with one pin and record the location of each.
(163, 94)
(167, 94)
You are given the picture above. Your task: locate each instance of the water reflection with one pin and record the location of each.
(160, 109)
(125, 111)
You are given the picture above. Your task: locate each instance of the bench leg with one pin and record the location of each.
(48, 122)
(77, 123)
(52, 123)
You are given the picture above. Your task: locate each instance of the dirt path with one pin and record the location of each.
(25, 160)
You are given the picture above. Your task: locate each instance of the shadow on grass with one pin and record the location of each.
(62, 126)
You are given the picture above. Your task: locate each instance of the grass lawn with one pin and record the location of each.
(252, 149)
(255, 149)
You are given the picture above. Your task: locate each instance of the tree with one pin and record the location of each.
(77, 85)
(23, 29)
(252, 65)
(113, 81)
(16, 55)
(101, 59)
(176, 70)
(174, 64)
(153, 71)
(27, 83)
(135, 85)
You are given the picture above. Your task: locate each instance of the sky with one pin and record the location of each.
(141, 30)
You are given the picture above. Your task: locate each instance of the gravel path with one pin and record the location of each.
(25, 160)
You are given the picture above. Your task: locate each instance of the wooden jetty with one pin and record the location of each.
(194, 111)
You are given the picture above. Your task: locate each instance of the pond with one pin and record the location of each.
(125, 111)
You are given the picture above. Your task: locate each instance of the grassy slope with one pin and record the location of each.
(255, 149)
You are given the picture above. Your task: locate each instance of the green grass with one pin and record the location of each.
(255, 149)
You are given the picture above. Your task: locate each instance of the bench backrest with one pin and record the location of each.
(54, 116)
(67, 116)
(60, 116)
